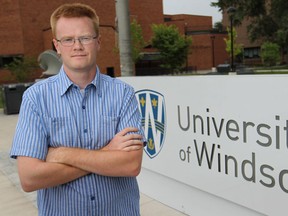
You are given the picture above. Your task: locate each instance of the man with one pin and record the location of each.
(78, 140)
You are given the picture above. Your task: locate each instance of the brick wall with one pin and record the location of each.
(11, 37)
(202, 50)
(25, 29)
(25, 26)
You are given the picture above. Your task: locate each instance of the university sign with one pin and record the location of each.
(221, 138)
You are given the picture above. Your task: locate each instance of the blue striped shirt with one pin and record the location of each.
(54, 112)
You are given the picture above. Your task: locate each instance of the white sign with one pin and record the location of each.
(226, 135)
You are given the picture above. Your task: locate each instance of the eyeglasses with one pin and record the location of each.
(84, 40)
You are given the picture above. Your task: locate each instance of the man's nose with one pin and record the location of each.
(77, 43)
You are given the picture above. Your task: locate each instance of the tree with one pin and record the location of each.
(218, 27)
(173, 46)
(268, 19)
(137, 39)
(237, 48)
(245, 8)
(270, 53)
(22, 68)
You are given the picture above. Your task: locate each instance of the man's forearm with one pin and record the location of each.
(108, 163)
(122, 156)
(36, 174)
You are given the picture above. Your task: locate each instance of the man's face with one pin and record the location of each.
(78, 57)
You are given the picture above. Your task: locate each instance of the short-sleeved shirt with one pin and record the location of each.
(55, 112)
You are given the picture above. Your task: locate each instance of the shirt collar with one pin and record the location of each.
(66, 83)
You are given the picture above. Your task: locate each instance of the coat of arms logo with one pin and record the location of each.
(152, 108)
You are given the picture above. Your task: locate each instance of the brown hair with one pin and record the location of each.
(72, 11)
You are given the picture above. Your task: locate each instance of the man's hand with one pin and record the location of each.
(124, 141)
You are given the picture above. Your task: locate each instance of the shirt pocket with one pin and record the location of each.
(63, 132)
(106, 128)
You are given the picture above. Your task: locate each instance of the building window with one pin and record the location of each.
(167, 19)
(4, 60)
(253, 52)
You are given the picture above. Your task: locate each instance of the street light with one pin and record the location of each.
(186, 33)
(231, 11)
(213, 55)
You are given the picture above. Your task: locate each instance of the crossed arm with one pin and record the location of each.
(121, 157)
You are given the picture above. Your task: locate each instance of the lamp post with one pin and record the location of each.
(213, 55)
(231, 11)
(185, 33)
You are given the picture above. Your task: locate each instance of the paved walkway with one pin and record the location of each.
(15, 202)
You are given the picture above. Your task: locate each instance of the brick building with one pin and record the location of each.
(208, 46)
(251, 51)
(25, 31)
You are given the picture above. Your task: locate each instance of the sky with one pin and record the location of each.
(193, 7)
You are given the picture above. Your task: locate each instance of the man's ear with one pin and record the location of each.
(98, 40)
(56, 45)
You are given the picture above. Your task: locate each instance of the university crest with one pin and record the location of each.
(152, 108)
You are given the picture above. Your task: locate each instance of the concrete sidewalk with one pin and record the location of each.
(13, 201)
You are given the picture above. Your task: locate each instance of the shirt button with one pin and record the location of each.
(85, 130)
(83, 107)
(92, 198)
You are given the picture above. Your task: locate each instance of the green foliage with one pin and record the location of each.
(263, 27)
(137, 39)
(268, 19)
(237, 48)
(251, 8)
(218, 27)
(173, 46)
(22, 68)
(270, 53)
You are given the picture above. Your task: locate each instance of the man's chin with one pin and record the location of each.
(82, 68)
